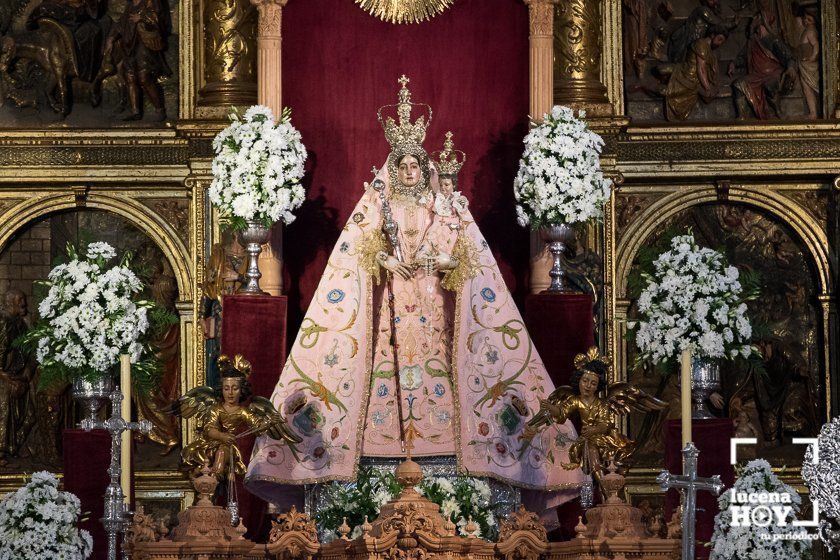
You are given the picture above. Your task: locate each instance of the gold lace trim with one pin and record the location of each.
(370, 245)
(467, 255)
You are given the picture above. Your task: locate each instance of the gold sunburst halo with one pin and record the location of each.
(404, 11)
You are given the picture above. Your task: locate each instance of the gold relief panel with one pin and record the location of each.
(90, 64)
(713, 60)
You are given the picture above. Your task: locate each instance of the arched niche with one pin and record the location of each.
(15, 217)
(791, 224)
(33, 233)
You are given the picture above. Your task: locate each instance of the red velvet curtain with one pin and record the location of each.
(340, 65)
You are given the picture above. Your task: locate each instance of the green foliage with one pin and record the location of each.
(357, 500)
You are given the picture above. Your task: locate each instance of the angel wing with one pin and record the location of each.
(196, 402)
(622, 398)
(274, 423)
(554, 408)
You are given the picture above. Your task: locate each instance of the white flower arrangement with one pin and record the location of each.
(560, 178)
(38, 521)
(258, 168)
(90, 315)
(461, 499)
(750, 541)
(694, 301)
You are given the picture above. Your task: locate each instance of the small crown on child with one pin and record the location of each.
(449, 161)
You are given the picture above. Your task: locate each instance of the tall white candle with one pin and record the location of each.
(685, 395)
(125, 455)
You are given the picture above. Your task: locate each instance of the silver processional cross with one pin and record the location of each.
(689, 483)
(117, 516)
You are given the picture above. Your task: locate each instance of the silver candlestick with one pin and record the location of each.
(117, 516)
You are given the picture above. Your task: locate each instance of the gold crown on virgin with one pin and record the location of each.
(449, 161)
(402, 133)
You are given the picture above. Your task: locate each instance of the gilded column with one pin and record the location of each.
(541, 77)
(269, 93)
(578, 47)
(230, 53)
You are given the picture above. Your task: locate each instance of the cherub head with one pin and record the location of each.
(234, 386)
(590, 375)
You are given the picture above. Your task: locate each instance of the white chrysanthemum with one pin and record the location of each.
(750, 542)
(89, 316)
(258, 168)
(693, 300)
(38, 521)
(560, 178)
(101, 249)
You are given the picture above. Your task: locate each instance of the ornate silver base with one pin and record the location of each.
(252, 238)
(93, 395)
(504, 497)
(560, 240)
(705, 380)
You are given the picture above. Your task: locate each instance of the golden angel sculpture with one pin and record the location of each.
(600, 442)
(222, 418)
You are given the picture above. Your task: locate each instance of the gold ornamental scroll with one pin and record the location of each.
(541, 79)
(578, 48)
(230, 53)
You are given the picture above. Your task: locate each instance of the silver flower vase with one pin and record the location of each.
(252, 238)
(92, 395)
(560, 239)
(705, 380)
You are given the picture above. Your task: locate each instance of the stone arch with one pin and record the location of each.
(156, 228)
(797, 218)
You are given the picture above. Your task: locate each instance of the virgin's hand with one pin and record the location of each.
(393, 265)
(716, 400)
(230, 438)
(444, 262)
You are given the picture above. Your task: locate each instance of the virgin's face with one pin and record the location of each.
(588, 384)
(408, 171)
(231, 390)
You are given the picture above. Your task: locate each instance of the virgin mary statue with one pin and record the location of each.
(412, 342)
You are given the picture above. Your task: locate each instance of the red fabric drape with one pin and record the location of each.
(340, 65)
(87, 456)
(255, 326)
(561, 327)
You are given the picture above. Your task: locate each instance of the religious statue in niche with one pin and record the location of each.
(783, 400)
(157, 275)
(116, 55)
(601, 442)
(223, 272)
(17, 415)
(722, 59)
(223, 418)
(412, 342)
